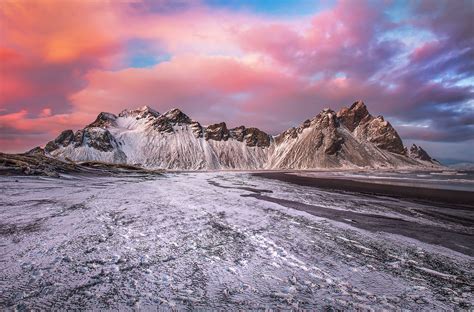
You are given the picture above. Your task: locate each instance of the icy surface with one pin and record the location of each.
(203, 240)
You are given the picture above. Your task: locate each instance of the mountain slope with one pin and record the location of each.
(171, 141)
(351, 138)
(326, 142)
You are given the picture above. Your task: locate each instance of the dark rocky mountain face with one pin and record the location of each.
(376, 130)
(95, 137)
(327, 139)
(217, 132)
(383, 135)
(417, 152)
(104, 120)
(64, 139)
(100, 140)
(143, 112)
(352, 137)
(326, 136)
(353, 116)
(79, 137)
(197, 129)
(162, 124)
(293, 132)
(317, 143)
(176, 116)
(251, 136)
(238, 133)
(256, 137)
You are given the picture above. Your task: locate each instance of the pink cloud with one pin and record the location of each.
(45, 49)
(208, 88)
(45, 112)
(338, 39)
(196, 84)
(52, 123)
(425, 51)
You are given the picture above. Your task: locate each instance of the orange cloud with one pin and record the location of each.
(20, 121)
(59, 31)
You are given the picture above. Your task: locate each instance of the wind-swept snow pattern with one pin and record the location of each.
(222, 241)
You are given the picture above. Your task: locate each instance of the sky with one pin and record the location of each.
(270, 64)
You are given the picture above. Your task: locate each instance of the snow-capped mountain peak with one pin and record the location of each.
(141, 112)
(350, 138)
(176, 116)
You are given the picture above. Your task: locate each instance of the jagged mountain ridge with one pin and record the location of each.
(350, 138)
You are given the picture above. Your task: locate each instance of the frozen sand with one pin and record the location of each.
(204, 240)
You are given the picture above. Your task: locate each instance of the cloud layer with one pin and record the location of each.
(62, 62)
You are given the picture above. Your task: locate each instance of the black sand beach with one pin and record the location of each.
(453, 197)
(448, 206)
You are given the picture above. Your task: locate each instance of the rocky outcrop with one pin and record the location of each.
(238, 133)
(162, 124)
(140, 113)
(100, 139)
(293, 132)
(417, 152)
(34, 162)
(316, 143)
(327, 138)
(382, 134)
(196, 128)
(104, 120)
(95, 137)
(217, 132)
(176, 116)
(255, 137)
(366, 127)
(64, 139)
(251, 136)
(78, 137)
(355, 115)
(37, 151)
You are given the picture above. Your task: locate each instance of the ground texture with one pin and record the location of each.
(225, 241)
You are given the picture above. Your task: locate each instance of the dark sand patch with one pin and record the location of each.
(461, 199)
(444, 205)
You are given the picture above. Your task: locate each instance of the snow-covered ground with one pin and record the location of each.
(204, 240)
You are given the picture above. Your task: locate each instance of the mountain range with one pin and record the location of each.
(350, 138)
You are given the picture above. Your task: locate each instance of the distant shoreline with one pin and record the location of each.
(457, 197)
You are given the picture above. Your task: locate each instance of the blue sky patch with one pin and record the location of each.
(141, 53)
